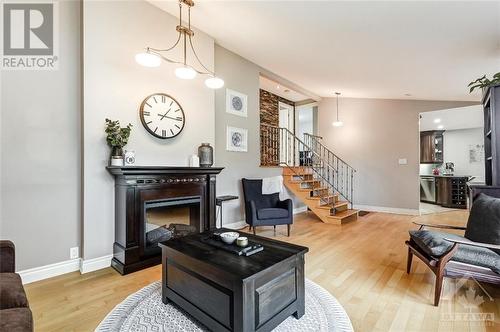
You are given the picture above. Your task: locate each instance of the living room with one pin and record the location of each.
(361, 73)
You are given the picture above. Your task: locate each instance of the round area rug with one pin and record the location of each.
(144, 311)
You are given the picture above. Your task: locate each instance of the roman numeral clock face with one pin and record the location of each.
(162, 116)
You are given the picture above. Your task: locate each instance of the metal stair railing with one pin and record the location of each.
(280, 147)
(344, 181)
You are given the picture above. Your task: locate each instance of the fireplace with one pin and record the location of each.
(154, 204)
(170, 218)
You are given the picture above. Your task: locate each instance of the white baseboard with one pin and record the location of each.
(242, 223)
(411, 212)
(49, 271)
(300, 209)
(72, 265)
(94, 264)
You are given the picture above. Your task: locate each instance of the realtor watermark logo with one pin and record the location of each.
(474, 296)
(30, 36)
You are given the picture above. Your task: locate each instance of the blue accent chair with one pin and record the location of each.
(265, 210)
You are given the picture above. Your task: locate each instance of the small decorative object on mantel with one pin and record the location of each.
(117, 137)
(206, 155)
(129, 157)
(194, 161)
(237, 139)
(236, 103)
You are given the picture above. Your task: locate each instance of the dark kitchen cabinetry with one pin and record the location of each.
(431, 147)
(491, 106)
(451, 192)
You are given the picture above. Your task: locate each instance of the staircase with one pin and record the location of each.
(315, 175)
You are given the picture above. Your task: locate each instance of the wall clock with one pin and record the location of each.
(162, 116)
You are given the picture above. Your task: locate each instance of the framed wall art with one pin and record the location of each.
(236, 103)
(237, 139)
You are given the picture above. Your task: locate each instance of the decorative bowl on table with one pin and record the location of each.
(229, 237)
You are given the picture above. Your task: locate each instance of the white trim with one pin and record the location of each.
(95, 264)
(49, 271)
(300, 209)
(411, 212)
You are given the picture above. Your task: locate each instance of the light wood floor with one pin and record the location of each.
(361, 263)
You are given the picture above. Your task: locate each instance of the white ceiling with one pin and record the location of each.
(369, 49)
(452, 119)
(280, 90)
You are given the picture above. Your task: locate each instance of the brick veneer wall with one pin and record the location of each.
(269, 115)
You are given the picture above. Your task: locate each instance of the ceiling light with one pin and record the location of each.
(440, 127)
(153, 56)
(185, 73)
(437, 120)
(214, 83)
(337, 123)
(148, 59)
(277, 87)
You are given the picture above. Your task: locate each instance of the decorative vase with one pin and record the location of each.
(206, 154)
(116, 158)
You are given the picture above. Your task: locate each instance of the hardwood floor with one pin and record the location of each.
(363, 264)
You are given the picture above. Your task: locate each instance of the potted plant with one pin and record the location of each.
(117, 138)
(484, 82)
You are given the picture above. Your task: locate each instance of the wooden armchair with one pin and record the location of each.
(476, 254)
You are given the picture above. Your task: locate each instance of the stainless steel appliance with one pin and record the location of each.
(428, 189)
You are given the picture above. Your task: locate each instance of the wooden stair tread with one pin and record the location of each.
(344, 214)
(336, 205)
(313, 202)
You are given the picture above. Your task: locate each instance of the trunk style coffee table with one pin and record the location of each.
(226, 292)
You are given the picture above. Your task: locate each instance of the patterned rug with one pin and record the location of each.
(144, 311)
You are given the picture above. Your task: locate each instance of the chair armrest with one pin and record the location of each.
(253, 211)
(7, 256)
(287, 204)
(440, 226)
(475, 244)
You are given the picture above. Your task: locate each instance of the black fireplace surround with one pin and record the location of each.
(138, 188)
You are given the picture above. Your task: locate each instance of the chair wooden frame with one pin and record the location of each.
(443, 266)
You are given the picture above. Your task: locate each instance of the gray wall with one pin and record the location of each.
(40, 153)
(376, 133)
(243, 76)
(115, 85)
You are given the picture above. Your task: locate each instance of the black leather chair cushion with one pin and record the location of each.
(16, 320)
(12, 293)
(434, 244)
(484, 220)
(272, 213)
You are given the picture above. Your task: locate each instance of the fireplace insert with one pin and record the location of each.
(167, 219)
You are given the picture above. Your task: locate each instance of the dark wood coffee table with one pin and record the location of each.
(227, 292)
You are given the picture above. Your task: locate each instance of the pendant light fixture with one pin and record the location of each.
(152, 56)
(337, 123)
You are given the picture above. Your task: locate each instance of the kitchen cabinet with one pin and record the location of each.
(451, 191)
(431, 147)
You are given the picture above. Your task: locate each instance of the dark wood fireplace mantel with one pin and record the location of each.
(135, 186)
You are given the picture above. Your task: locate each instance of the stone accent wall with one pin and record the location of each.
(269, 115)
